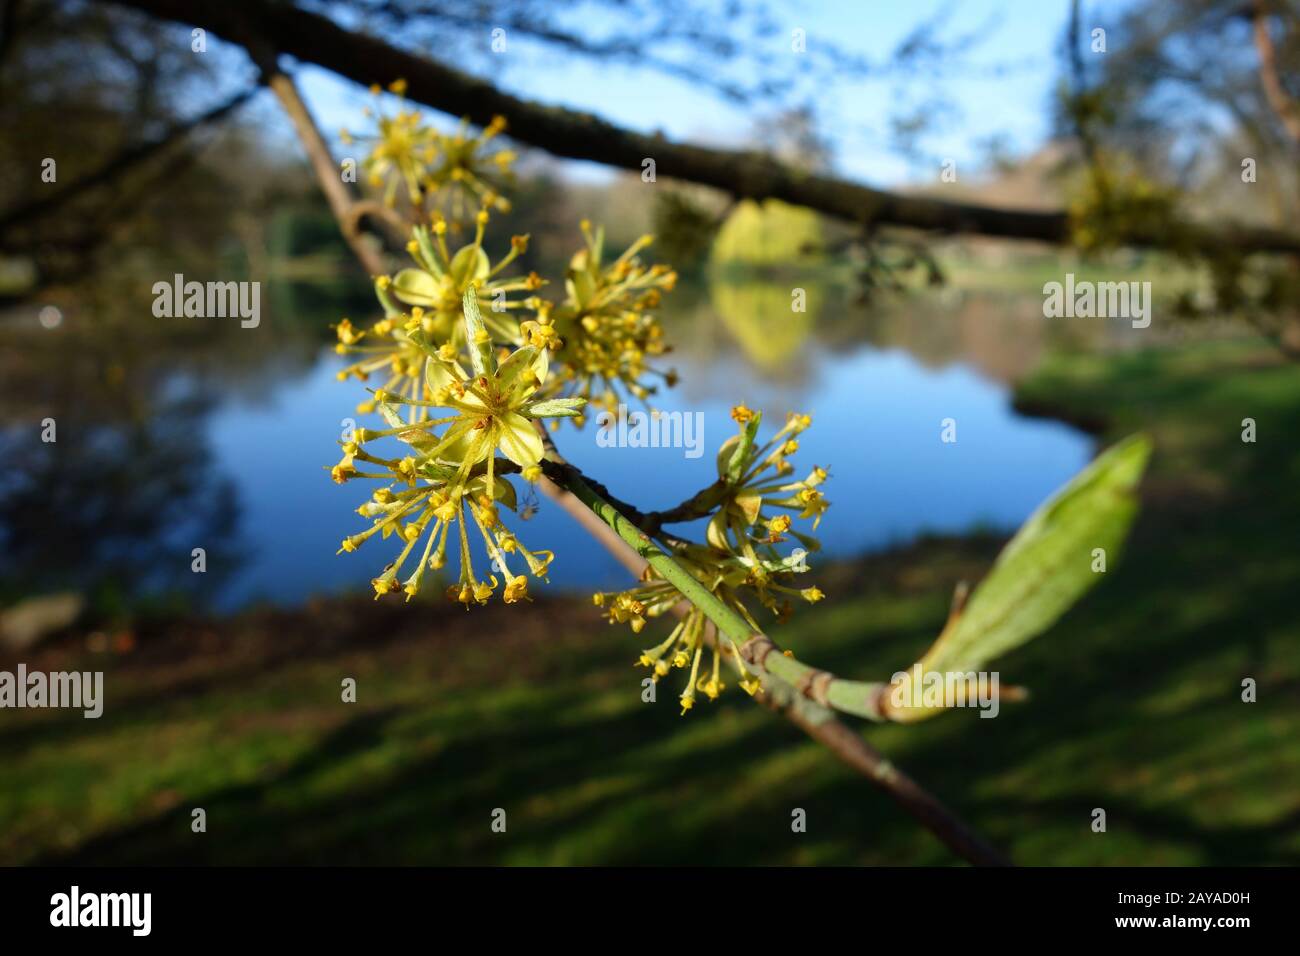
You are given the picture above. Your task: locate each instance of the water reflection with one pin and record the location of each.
(169, 441)
(115, 505)
(759, 315)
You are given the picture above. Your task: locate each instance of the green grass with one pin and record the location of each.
(1135, 703)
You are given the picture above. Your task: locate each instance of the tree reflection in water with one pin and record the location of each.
(114, 507)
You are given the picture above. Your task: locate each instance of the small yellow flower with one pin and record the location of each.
(483, 590)
(814, 505)
(344, 470)
(516, 589)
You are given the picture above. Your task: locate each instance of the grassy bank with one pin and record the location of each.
(1136, 701)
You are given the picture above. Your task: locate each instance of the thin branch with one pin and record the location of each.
(802, 708)
(815, 720)
(700, 505)
(612, 49)
(369, 208)
(317, 39)
(342, 201)
(861, 698)
(1083, 126)
(1277, 97)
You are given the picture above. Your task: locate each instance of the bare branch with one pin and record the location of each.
(342, 200)
(1277, 97)
(562, 132)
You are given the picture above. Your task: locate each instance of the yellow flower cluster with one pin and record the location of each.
(468, 174)
(423, 306)
(683, 647)
(462, 386)
(606, 321)
(457, 170)
(448, 473)
(750, 517)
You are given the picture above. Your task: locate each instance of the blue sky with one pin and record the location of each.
(1021, 35)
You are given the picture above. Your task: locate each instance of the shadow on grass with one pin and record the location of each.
(1136, 702)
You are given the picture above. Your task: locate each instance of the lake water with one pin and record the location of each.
(877, 414)
(177, 437)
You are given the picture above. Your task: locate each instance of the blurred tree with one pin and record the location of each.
(134, 73)
(794, 136)
(770, 236)
(1189, 90)
(1190, 113)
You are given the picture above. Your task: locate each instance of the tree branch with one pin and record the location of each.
(1277, 97)
(800, 707)
(815, 720)
(365, 59)
(342, 201)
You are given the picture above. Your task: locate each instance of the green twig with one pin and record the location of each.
(853, 697)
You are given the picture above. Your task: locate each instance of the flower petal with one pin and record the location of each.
(519, 440)
(469, 263)
(415, 287)
(520, 360)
